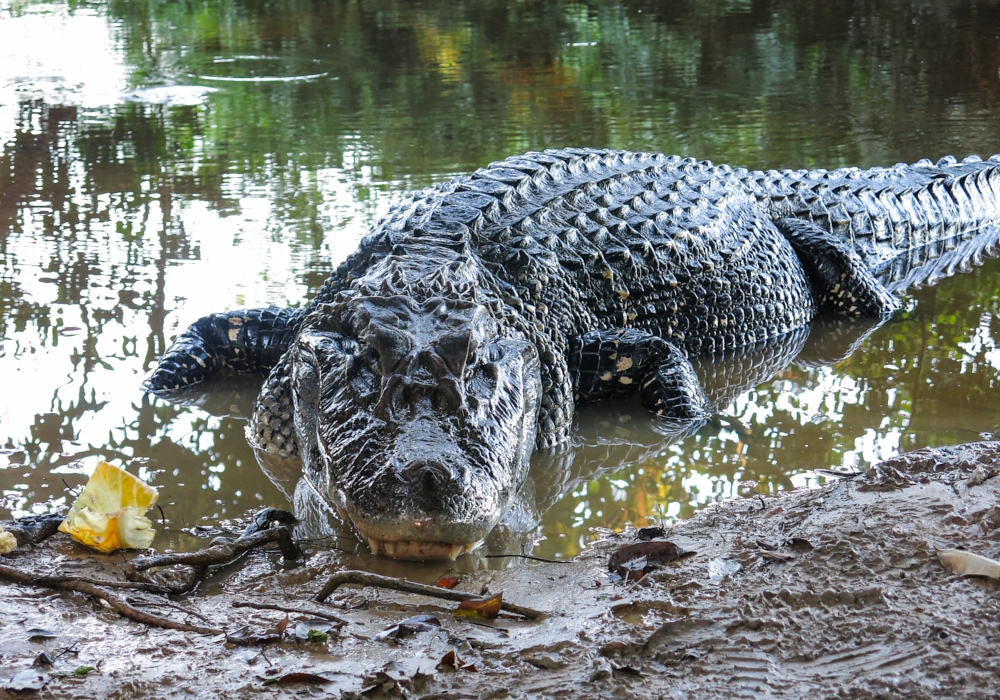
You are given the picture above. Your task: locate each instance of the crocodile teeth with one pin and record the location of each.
(389, 548)
(374, 544)
(457, 549)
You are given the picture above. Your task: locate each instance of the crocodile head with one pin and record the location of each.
(415, 418)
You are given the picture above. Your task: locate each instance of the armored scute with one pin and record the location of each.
(474, 317)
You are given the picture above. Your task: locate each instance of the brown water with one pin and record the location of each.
(162, 160)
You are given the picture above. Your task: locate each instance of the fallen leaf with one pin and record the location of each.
(403, 671)
(718, 569)
(381, 682)
(244, 637)
(410, 626)
(481, 607)
(968, 564)
(280, 628)
(26, 681)
(634, 561)
(452, 660)
(314, 630)
(43, 659)
(41, 633)
(447, 582)
(298, 677)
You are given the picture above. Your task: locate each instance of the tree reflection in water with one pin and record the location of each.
(252, 144)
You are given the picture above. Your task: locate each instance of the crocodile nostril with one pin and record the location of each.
(426, 470)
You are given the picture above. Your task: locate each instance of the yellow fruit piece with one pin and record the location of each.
(109, 513)
(7, 542)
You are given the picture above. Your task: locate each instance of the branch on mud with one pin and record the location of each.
(289, 609)
(258, 534)
(33, 528)
(529, 557)
(221, 553)
(363, 578)
(68, 583)
(55, 581)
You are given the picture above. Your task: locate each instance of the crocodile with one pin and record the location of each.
(474, 317)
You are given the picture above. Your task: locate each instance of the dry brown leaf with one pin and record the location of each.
(298, 677)
(635, 560)
(280, 628)
(968, 564)
(481, 607)
(452, 660)
(447, 582)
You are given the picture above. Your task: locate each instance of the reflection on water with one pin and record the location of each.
(160, 161)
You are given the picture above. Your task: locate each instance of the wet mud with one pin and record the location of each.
(829, 592)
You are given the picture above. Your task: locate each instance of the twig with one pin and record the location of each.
(13, 574)
(135, 600)
(288, 609)
(266, 517)
(221, 553)
(528, 556)
(68, 584)
(363, 578)
(217, 554)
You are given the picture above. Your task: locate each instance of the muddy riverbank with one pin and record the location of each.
(829, 592)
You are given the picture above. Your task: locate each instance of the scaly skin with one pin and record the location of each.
(471, 320)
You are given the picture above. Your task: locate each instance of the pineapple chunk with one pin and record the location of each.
(109, 513)
(7, 542)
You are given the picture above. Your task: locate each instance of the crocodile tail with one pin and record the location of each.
(911, 224)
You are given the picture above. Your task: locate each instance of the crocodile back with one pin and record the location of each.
(578, 239)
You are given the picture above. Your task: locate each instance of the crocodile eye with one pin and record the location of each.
(363, 377)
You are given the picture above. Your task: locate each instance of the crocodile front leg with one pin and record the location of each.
(841, 281)
(247, 341)
(272, 427)
(610, 363)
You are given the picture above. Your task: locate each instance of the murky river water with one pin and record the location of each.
(162, 160)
